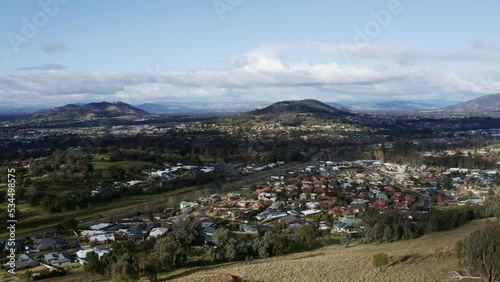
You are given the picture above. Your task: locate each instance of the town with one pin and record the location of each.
(330, 196)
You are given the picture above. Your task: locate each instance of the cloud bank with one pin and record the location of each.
(263, 74)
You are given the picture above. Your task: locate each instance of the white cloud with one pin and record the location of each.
(262, 74)
(411, 55)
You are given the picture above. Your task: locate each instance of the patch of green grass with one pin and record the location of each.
(127, 165)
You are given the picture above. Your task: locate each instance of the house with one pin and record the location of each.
(102, 238)
(158, 232)
(475, 201)
(249, 228)
(100, 226)
(346, 225)
(82, 254)
(134, 182)
(295, 211)
(323, 226)
(304, 196)
(312, 205)
(88, 233)
(294, 226)
(57, 258)
(23, 261)
(310, 212)
(382, 196)
(47, 244)
(208, 230)
(359, 202)
(186, 204)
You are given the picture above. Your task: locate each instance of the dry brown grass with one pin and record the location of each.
(428, 258)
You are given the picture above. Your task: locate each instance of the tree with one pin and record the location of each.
(188, 232)
(480, 251)
(28, 275)
(231, 250)
(492, 206)
(149, 267)
(221, 236)
(308, 234)
(126, 269)
(93, 265)
(169, 252)
(116, 173)
(380, 260)
(345, 239)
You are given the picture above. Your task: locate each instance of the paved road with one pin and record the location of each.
(418, 196)
(206, 190)
(190, 193)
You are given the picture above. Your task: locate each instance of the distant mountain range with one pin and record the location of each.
(392, 106)
(485, 105)
(20, 111)
(91, 111)
(489, 104)
(201, 107)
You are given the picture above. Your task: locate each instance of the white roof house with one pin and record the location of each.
(102, 238)
(99, 226)
(134, 182)
(309, 212)
(159, 231)
(88, 233)
(82, 254)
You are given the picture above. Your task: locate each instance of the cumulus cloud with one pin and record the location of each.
(262, 74)
(54, 48)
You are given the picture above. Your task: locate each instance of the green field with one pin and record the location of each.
(34, 219)
(127, 165)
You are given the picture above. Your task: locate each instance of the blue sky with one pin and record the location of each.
(65, 51)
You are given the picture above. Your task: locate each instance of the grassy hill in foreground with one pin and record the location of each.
(428, 258)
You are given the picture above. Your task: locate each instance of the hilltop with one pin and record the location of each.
(428, 258)
(298, 112)
(90, 111)
(489, 104)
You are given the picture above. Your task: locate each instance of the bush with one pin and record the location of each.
(480, 251)
(380, 260)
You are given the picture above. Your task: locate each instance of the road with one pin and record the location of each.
(424, 198)
(191, 193)
(206, 190)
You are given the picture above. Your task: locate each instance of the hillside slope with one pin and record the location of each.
(291, 113)
(428, 258)
(484, 104)
(100, 110)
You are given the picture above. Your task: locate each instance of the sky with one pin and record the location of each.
(55, 52)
